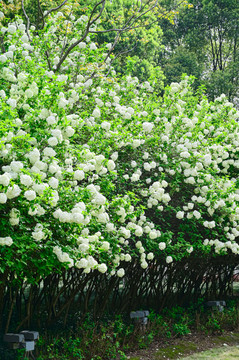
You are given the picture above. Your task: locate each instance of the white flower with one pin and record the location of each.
(4, 180)
(162, 245)
(105, 245)
(11, 29)
(6, 241)
(82, 45)
(53, 182)
(150, 256)
(48, 151)
(169, 259)
(13, 191)
(136, 143)
(153, 234)
(3, 198)
(105, 125)
(52, 141)
(14, 221)
(196, 214)
(135, 177)
(70, 131)
(79, 175)
(3, 58)
(144, 265)
(51, 120)
(38, 235)
(12, 102)
(190, 250)
(147, 126)
(30, 195)
(110, 165)
(102, 268)
(120, 272)
(82, 263)
(93, 46)
(26, 180)
(180, 215)
(127, 257)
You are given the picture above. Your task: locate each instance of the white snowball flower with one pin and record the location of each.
(53, 182)
(12, 103)
(111, 165)
(180, 215)
(102, 268)
(4, 180)
(162, 245)
(105, 125)
(51, 120)
(150, 256)
(52, 141)
(26, 180)
(153, 234)
(136, 143)
(3, 198)
(30, 195)
(6, 241)
(82, 263)
(48, 151)
(120, 272)
(79, 175)
(169, 259)
(13, 191)
(105, 245)
(144, 265)
(147, 126)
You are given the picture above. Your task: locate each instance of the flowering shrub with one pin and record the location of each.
(97, 171)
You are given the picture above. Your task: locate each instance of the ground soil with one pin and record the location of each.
(180, 347)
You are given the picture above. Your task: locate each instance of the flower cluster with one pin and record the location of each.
(96, 172)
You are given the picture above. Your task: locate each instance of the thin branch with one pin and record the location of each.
(89, 24)
(48, 59)
(54, 9)
(119, 54)
(28, 21)
(42, 15)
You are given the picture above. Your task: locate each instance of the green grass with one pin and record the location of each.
(223, 353)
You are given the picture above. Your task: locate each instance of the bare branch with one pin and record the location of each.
(42, 15)
(89, 24)
(119, 54)
(129, 25)
(48, 59)
(55, 9)
(28, 21)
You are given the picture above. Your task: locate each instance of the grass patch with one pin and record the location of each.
(174, 351)
(225, 353)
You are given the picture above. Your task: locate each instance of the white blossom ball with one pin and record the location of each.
(53, 182)
(26, 180)
(111, 165)
(105, 125)
(169, 259)
(102, 268)
(4, 180)
(79, 175)
(3, 198)
(150, 256)
(147, 126)
(30, 195)
(52, 141)
(162, 245)
(105, 245)
(120, 272)
(180, 215)
(82, 263)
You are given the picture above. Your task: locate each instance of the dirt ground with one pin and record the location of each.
(187, 345)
